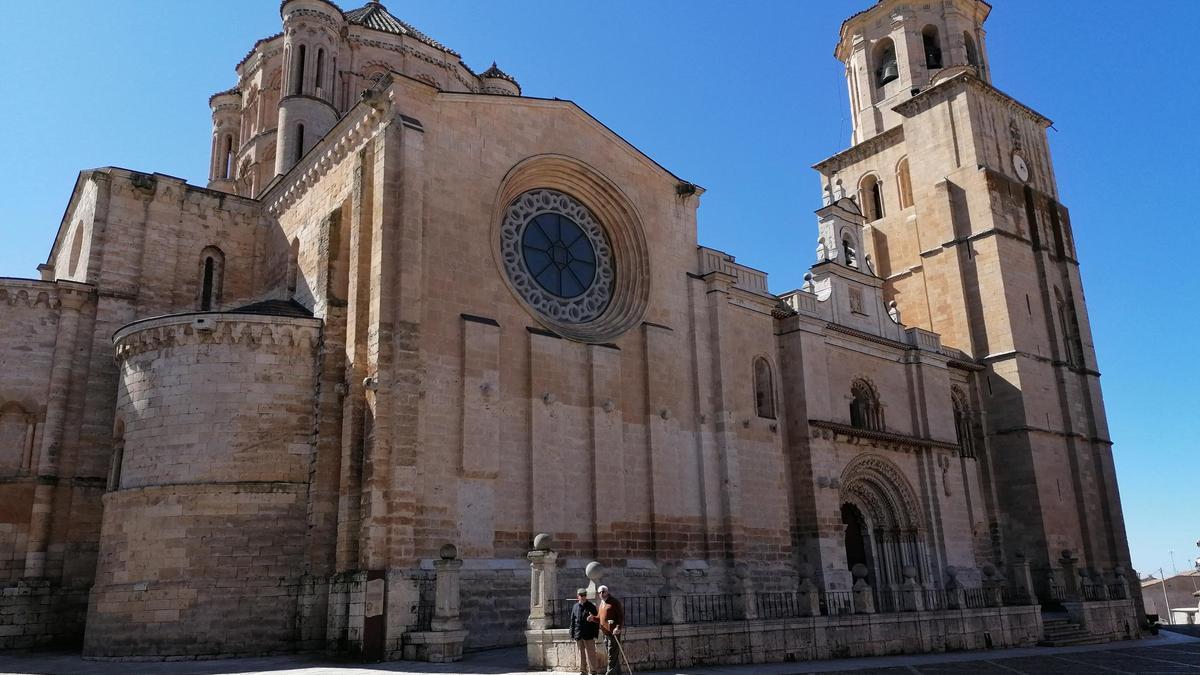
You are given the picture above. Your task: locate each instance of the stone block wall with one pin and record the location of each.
(203, 538)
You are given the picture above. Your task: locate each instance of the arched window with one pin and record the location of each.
(76, 248)
(299, 141)
(963, 427)
(320, 73)
(293, 266)
(848, 251)
(865, 410)
(969, 46)
(886, 68)
(933, 47)
(904, 184)
(212, 271)
(870, 195)
(764, 389)
(118, 456)
(298, 71)
(227, 158)
(16, 439)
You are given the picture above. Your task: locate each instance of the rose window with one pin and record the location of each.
(557, 256)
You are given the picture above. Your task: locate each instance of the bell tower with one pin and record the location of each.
(964, 226)
(897, 48)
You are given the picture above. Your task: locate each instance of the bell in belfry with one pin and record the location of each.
(888, 71)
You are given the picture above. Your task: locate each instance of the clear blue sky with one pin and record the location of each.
(739, 97)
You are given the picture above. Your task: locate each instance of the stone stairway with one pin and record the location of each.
(1064, 633)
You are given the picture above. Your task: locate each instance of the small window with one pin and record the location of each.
(298, 80)
(848, 251)
(764, 390)
(865, 409)
(886, 68)
(933, 47)
(299, 142)
(227, 158)
(320, 74)
(871, 197)
(212, 269)
(904, 184)
(293, 266)
(76, 248)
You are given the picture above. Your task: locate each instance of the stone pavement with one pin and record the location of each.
(1166, 653)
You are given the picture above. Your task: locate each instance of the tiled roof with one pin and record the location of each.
(495, 71)
(376, 17)
(275, 308)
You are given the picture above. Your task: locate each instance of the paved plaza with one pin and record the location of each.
(1168, 652)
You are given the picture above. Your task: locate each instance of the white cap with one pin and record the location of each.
(602, 589)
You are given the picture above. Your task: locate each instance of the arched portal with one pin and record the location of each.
(884, 529)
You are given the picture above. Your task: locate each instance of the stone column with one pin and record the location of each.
(993, 586)
(71, 301)
(1023, 580)
(671, 596)
(747, 600)
(808, 599)
(912, 594)
(956, 595)
(864, 599)
(543, 582)
(1122, 582)
(447, 594)
(1069, 561)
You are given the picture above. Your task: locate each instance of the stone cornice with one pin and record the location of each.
(867, 148)
(942, 90)
(854, 332)
(837, 431)
(408, 50)
(33, 293)
(283, 333)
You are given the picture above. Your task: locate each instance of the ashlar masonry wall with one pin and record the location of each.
(203, 534)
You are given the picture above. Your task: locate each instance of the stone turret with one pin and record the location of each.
(496, 81)
(311, 30)
(226, 118)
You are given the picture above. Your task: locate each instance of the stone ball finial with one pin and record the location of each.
(1068, 556)
(741, 571)
(805, 570)
(448, 552)
(542, 542)
(989, 570)
(952, 571)
(909, 572)
(859, 571)
(594, 571)
(1119, 571)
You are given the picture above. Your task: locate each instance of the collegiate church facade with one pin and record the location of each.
(414, 307)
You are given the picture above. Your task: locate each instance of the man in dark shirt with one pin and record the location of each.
(584, 630)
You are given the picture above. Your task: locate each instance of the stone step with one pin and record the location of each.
(1074, 641)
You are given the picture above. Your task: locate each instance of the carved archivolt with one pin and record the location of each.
(878, 487)
(622, 236)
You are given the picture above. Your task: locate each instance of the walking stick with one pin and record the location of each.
(621, 651)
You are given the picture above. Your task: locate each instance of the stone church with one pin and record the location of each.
(414, 307)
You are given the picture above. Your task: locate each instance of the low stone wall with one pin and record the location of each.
(803, 639)
(1110, 619)
(38, 614)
